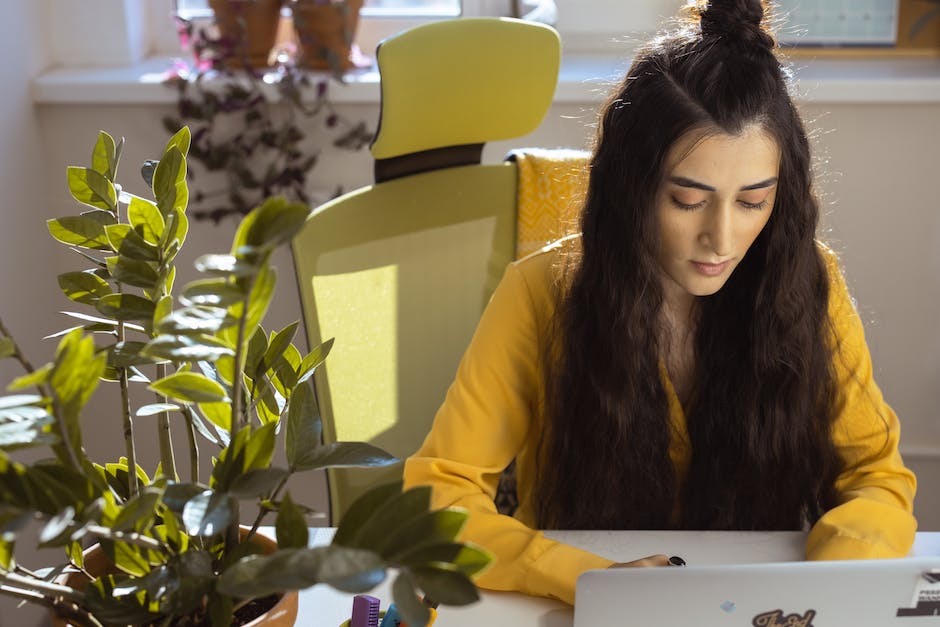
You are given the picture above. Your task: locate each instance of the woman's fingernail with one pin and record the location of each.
(675, 560)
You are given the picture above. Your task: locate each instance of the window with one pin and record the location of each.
(197, 9)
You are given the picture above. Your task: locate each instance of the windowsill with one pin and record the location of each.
(583, 78)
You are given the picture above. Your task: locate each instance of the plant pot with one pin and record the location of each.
(326, 30)
(248, 29)
(283, 614)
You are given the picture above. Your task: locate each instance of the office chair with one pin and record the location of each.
(399, 272)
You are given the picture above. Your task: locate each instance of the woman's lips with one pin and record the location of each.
(711, 269)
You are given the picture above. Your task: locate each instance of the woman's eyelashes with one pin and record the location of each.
(687, 206)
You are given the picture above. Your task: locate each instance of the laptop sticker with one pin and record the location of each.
(728, 606)
(775, 618)
(926, 599)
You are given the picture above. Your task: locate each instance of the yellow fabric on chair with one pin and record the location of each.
(551, 188)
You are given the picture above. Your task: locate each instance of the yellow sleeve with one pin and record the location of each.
(875, 516)
(483, 423)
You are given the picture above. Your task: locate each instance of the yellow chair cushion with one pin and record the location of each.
(487, 79)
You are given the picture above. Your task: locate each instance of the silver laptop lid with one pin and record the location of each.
(862, 593)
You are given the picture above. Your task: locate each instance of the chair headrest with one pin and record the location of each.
(464, 82)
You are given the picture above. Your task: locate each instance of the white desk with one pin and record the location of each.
(323, 606)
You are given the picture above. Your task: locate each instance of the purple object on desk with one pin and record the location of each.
(365, 611)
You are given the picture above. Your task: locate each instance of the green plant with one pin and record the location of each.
(175, 545)
(249, 124)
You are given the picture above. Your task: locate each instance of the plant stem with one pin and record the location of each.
(193, 446)
(40, 586)
(264, 511)
(167, 460)
(239, 419)
(20, 357)
(68, 610)
(64, 431)
(133, 486)
(127, 536)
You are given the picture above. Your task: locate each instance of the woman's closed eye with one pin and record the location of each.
(688, 204)
(754, 201)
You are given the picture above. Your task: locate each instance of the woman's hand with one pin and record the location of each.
(644, 562)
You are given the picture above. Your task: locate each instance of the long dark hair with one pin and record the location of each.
(760, 413)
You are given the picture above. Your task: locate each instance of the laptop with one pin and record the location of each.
(863, 593)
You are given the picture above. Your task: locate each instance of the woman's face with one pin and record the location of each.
(716, 196)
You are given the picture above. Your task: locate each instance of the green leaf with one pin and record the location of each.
(128, 243)
(126, 307)
(103, 159)
(220, 609)
(146, 219)
(112, 610)
(344, 455)
(180, 140)
(75, 374)
(19, 400)
(84, 287)
(190, 387)
(211, 292)
(195, 320)
(468, 559)
(92, 188)
(261, 294)
(259, 449)
(177, 227)
(413, 611)
(187, 348)
(258, 483)
(79, 231)
(219, 414)
(139, 512)
(446, 584)
(17, 435)
(156, 408)
(7, 348)
(225, 266)
(276, 221)
(362, 510)
(430, 528)
(390, 517)
(133, 272)
(208, 513)
(169, 181)
(291, 526)
(294, 569)
(6, 553)
(303, 425)
(313, 360)
(280, 340)
(126, 354)
(178, 494)
(37, 377)
(127, 557)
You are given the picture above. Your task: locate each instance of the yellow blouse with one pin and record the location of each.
(491, 415)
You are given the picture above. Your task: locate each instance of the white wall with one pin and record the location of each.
(882, 212)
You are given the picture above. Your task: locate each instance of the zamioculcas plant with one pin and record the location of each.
(175, 552)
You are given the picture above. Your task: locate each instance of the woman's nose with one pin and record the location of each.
(718, 232)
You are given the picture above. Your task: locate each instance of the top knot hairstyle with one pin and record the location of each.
(760, 413)
(741, 21)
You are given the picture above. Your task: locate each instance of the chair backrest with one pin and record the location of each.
(399, 272)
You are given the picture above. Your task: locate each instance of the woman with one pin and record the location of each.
(691, 360)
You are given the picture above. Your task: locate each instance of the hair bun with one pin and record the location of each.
(736, 21)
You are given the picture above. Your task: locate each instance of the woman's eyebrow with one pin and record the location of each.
(682, 181)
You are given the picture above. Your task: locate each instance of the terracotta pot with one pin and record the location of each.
(283, 614)
(251, 28)
(326, 30)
